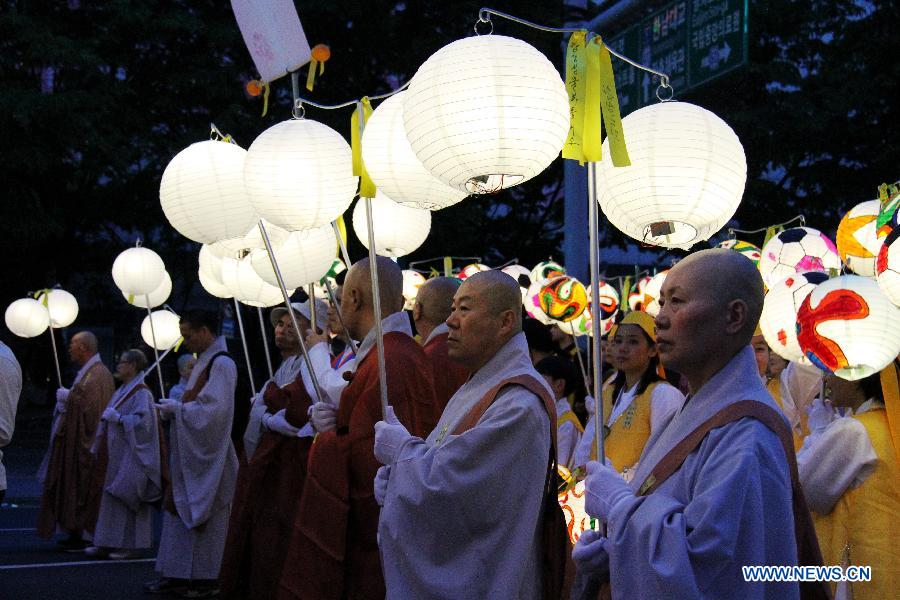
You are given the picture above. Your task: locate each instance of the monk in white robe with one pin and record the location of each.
(729, 499)
(129, 429)
(203, 465)
(330, 371)
(461, 515)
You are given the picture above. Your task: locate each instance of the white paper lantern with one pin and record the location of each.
(393, 166)
(399, 229)
(797, 250)
(299, 174)
(237, 247)
(303, 257)
(779, 315)
(887, 267)
(486, 113)
(516, 272)
(547, 269)
(202, 192)
(62, 306)
(138, 271)
(412, 281)
(469, 270)
(532, 302)
(857, 238)
(686, 177)
(157, 297)
(608, 306)
(165, 329)
(213, 286)
(248, 287)
(847, 326)
(637, 296)
(27, 318)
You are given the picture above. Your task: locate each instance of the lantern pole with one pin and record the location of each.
(337, 308)
(162, 387)
(595, 322)
(376, 297)
(237, 314)
(340, 240)
(312, 306)
(55, 356)
(578, 354)
(290, 309)
(262, 330)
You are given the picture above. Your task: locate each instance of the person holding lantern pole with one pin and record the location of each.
(10, 389)
(466, 511)
(202, 465)
(73, 479)
(270, 482)
(129, 430)
(849, 471)
(560, 376)
(186, 364)
(330, 371)
(434, 302)
(334, 552)
(720, 475)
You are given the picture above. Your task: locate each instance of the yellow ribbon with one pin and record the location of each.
(342, 229)
(366, 186)
(178, 344)
(311, 76)
(609, 100)
(265, 99)
(576, 72)
(45, 293)
(448, 266)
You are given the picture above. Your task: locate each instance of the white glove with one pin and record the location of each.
(589, 405)
(820, 415)
(604, 488)
(590, 555)
(390, 435)
(381, 483)
(62, 396)
(279, 424)
(111, 415)
(256, 399)
(60, 407)
(167, 407)
(323, 416)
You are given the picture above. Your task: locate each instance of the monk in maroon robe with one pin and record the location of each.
(334, 552)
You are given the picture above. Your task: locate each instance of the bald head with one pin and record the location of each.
(86, 339)
(434, 301)
(82, 347)
(357, 301)
(499, 291)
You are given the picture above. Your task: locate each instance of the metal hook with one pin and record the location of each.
(299, 111)
(482, 20)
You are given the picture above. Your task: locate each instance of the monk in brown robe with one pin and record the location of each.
(270, 480)
(73, 481)
(434, 302)
(334, 552)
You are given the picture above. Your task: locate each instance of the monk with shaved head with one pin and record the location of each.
(333, 551)
(462, 510)
(73, 479)
(716, 490)
(434, 302)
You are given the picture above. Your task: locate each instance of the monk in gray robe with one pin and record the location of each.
(462, 509)
(72, 476)
(129, 429)
(202, 465)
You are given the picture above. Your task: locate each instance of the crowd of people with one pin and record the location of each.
(717, 454)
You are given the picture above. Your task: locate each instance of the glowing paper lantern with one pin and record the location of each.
(888, 267)
(486, 113)
(686, 177)
(563, 298)
(27, 318)
(165, 329)
(779, 315)
(393, 166)
(652, 292)
(202, 192)
(138, 271)
(857, 238)
(399, 229)
(847, 326)
(157, 297)
(62, 306)
(517, 272)
(532, 302)
(237, 247)
(608, 306)
(797, 250)
(213, 286)
(637, 296)
(303, 257)
(547, 269)
(299, 174)
(746, 248)
(249, 288)
(412, 281)
(469, 270)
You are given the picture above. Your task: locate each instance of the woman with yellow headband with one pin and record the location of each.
(640, 401)
(850, 473)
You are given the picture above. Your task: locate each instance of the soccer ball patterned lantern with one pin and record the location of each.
(888, 267)
(797, 250)
(517, 272)
(486, 113)
(609, 308)
(412, 281)
(857, 238)
(686, 177)
(469, 270)
(547, 269)
(572, 502)
(745, 248)
(563, 299)
(847, 326)
(779, 315)
(532, 302)
(637, 296)
(652, 292)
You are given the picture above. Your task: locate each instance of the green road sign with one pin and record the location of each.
(693, 41)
